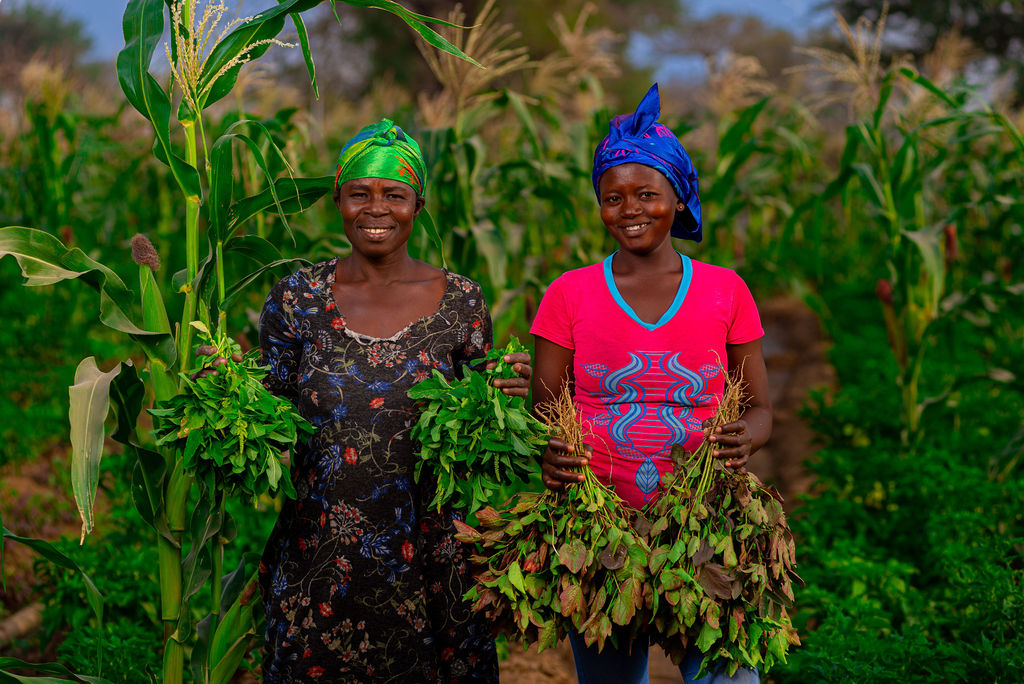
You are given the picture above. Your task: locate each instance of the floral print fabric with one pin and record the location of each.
(361, 580)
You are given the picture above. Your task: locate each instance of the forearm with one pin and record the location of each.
(759, 425)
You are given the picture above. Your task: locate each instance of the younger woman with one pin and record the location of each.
(641, 338)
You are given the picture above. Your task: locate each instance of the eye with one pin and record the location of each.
(610, 199)
(648, 195)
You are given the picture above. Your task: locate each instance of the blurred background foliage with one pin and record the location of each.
(870, 167)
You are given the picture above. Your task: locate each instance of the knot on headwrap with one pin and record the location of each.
(638, 138)
(382, 150)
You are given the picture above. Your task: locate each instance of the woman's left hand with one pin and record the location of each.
(516, 387)
(732, 441)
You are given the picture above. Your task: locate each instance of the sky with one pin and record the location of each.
(102, 21)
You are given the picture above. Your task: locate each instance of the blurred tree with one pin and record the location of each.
(28, 32)
(995, 26)
(369, 45)
(738, 34)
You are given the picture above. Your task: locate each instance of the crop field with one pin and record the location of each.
(872, 199)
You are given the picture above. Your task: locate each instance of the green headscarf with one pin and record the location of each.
(382, 150)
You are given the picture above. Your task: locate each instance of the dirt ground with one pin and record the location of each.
(795, 357)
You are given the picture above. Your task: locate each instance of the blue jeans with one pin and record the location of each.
(615, 666)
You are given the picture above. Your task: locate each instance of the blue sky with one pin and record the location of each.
(102, 20)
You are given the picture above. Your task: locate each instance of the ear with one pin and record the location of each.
(337, 197)
(420, 202)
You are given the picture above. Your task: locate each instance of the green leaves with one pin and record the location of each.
(573, 555)
(45, 260)
(560, 561)
(228, 429)
(417, 22)
(90, 400)
(474, 439)
(143, 27)
(723, 564)
(52, 554)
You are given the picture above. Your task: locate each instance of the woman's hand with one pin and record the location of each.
(557, 460)
(516, 387)
(732, 442)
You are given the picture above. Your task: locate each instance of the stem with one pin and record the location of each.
(169, 550)
(220, 275)
(191, 257)
(218, 567)
(174, 662)
(206, 152)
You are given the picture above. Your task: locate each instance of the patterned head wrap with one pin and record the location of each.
(382, 150)
(638, 138)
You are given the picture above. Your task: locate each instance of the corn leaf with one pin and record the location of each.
(288, 195)
(416, 23)
(45, 260)
(250, 40)
(51, 668)
(90, 401)
(143, 26)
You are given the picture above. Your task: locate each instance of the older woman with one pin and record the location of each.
(361, 580)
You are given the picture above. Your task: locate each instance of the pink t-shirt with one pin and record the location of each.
(641, 387)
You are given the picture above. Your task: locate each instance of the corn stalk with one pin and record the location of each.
(188, 517)
(891, 168)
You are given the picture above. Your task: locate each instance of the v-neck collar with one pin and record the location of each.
(684, 287)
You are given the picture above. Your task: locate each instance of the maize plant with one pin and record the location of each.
(185, 511)
(893, 167)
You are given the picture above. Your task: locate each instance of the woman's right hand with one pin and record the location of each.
(557, 460)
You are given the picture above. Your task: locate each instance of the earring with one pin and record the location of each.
(680, 206)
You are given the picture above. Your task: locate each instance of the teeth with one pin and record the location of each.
(376, 231)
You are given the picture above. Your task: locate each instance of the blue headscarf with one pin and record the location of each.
(638, 138)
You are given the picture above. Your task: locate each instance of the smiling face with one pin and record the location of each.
(638, 207)
(377, 214)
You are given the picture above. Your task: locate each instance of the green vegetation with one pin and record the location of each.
(469, 430)
(886, 195)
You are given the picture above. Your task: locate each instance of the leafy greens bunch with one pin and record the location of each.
(473, 437)
(228, 427)
(722, 559)
(574, 558)
(714, 569)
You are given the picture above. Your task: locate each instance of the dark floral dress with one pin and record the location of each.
(361, 580)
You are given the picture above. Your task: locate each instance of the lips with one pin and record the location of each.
(634, 229)
(376, 232)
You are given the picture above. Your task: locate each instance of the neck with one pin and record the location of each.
(358, 267)
(663, 258)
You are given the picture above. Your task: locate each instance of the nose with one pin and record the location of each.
(377, 205)
(631, 206)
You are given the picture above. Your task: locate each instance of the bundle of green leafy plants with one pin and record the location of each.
(721, 568)
(562, 559)
(555, 561)
(228, 427)
(474, 438)
(722, 559)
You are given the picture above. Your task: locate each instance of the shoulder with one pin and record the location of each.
(716, 276)
(308, 277)
(578, 278)
(464, 287)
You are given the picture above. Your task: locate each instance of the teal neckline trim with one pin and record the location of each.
(673, 309)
